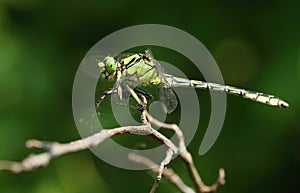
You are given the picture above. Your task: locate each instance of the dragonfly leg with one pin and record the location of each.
(144, 93)
(107, 92)
(130, 106)
(143, 109)
(142, 104)
(104, 94)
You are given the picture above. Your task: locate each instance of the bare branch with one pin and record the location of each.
(186, 156)
(55, 149)
(166, 161)
(173, 127)
(169, 173)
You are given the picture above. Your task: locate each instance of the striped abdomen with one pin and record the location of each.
(255, 96)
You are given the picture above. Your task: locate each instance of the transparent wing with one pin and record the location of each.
(166, 93)
(168, 98)
(122, 86)
(121, 92)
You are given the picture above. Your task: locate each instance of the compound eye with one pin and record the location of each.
(111, 65)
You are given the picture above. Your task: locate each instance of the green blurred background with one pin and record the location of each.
(255, 43)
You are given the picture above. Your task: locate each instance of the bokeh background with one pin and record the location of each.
(255, 43)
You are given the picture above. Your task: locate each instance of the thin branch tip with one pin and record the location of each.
(221, 176)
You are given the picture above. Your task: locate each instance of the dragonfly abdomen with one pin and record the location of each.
(254, 96)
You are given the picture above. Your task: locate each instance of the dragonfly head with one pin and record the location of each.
(108, 67)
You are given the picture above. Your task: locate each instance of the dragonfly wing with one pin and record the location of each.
(122, 86)
(121, 93)
(168, 98)
(166, 93)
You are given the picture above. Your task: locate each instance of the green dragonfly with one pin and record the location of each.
(134, 70)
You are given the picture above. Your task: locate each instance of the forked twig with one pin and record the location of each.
(187, 157)
(165, 162)
(167, 172)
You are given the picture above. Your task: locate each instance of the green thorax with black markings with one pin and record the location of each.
(136, 67)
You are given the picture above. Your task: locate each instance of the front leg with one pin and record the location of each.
(141, 103)
(104, 94)
(107, 92)
(144, 93)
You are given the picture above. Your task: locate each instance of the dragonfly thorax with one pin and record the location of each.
(139, 69)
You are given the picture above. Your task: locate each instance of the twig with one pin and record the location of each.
(55, 149)
(166, 161)
(169, 173)
(170, 153)
(186, 156)
(174, 127)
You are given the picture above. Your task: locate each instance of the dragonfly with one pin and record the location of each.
(141, 69)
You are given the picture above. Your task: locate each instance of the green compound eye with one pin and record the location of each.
(110, 64)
